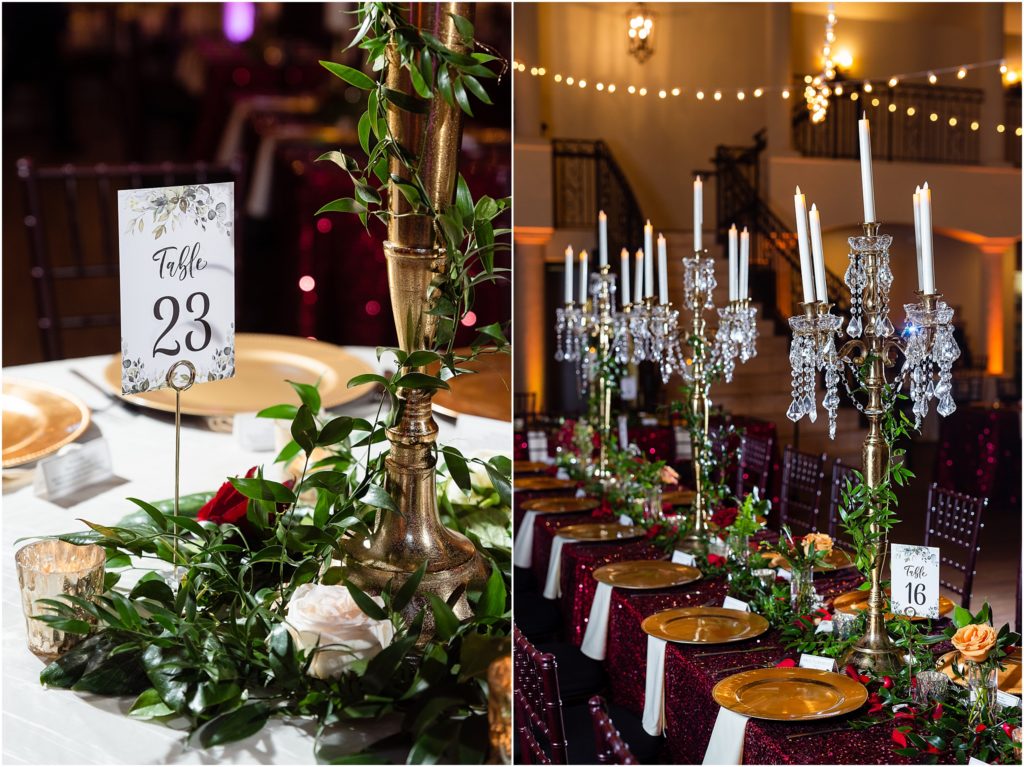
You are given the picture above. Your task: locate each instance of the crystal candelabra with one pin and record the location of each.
(591, 335)
(929, 351)
(736, 336)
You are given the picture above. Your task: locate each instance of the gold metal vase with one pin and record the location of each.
(416, 266)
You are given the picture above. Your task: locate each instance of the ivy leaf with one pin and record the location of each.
(379, 498)
(405, 594)
(335, 431)
(464, 27)
(284, 412)
(419, 84)
(464, 201)
(154, 513)
(309, 395)
(149, 705)
(501, 484)
(343, 205)
(461, 97)
(493, 597)
(304, 430)
(342, 160)
(445, 621)
(260, 489)
(349, 75)
(405, 102)
(457, 467)
(289, 451)
(420, 359)
(476, 88)
(369, 607)
(366, 378)
(236, 725)
(363, 129)
(420, 381)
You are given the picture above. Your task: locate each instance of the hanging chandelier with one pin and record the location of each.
(641, 31)
(819, 88)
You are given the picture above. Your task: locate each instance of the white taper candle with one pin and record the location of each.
(626, 297)
(734, 263)
(584, 263)
(648, 260)
(744, 263)
(698, 213)
(866, 181)
(927, 260)
(570, 264)
(819, 255)
(806, 270)
(662, 270)
(602, 239)
(638, 279)
(917, 237)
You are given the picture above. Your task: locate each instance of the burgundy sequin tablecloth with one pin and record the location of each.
(690, 711)
(578, 585)
(545, 528)
(980, 454)
(519, 497)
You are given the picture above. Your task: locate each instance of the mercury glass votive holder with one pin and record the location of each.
(930, 686)
(499, 709)
(842, 625)
(46, 570)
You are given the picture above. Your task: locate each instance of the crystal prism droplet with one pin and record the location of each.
(946, 406)
(793, 413)
(854, 328)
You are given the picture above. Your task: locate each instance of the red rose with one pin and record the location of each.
(899, 738)
(907, 713)
(714, 560)
(1008, 729)
(652, 531)
(724, 516)
(887, 682)
(876, 703)
(229, 506)
(937, 713)
(980, 728)
(932, 750)
(850, 671)
(786, 663)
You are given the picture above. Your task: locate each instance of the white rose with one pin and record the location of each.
(328, 617)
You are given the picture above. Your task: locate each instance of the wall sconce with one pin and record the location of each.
(641, 32)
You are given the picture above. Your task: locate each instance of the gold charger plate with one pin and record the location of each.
(1009, 678)
(790, 694)
(38, 420)
(704, 625)
(837, 558)
(679, 497)
(560, 505)
(856, 601)
(542, 483)
(529, 467)
(599, 531)
(646, 574)
(486, 393)
(263, 366)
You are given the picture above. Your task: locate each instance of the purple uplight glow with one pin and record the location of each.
(239, 21)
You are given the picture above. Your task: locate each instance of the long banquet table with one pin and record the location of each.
(44, 726)
(690, 710)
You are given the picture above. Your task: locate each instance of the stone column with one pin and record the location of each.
(527, 89)
(993, 110)
(531, 353)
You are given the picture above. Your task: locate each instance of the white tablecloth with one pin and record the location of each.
(43, 726)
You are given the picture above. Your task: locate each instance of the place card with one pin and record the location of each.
(177, 262)
(974, 760)
(625, 519)
(537, 445)
(731, 603)
(684, 558)
(1006, 700)
(623, 432)
(73, 468)
(627, 388)
(915, 580)
(825, 627)
(817, 661)
(251, 433)
(649, 420)
(785, 574)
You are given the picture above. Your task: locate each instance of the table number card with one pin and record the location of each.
(177, 259)
(537, 445)
(915, 580)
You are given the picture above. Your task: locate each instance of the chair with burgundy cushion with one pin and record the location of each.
(537, 701)
(841, 472)
(611, 748)
(755, 464)
(952, 523)
(803, 481)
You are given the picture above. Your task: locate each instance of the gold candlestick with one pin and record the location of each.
(696, 539)
(416, 264)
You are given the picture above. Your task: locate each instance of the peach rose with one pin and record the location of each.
(975, 641)
(817, 541)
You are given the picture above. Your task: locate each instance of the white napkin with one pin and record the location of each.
(654, 687)
(596, 637)
(522, 549)
(726, 744)
(553, 584)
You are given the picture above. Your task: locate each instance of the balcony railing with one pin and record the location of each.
(909, 123)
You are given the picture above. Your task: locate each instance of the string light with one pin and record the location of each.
(700, 95)
(933, 117)
(676, 91)
(583, 83)
(975, 125)
(611, 88)
(662, 94)
(718, 95)
(569, 81)
(758, 92)
(600, 86)
(932, 78)
(643, 91)
(961, 73)
(785, 93)
(740, 95)
(893, 82)
(631, 89)
(854, 96)
(911, 111)
(952, 122)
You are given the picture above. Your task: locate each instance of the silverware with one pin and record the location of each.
(736, 652)
(114, 400)
(745, 667)
(844, 728)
